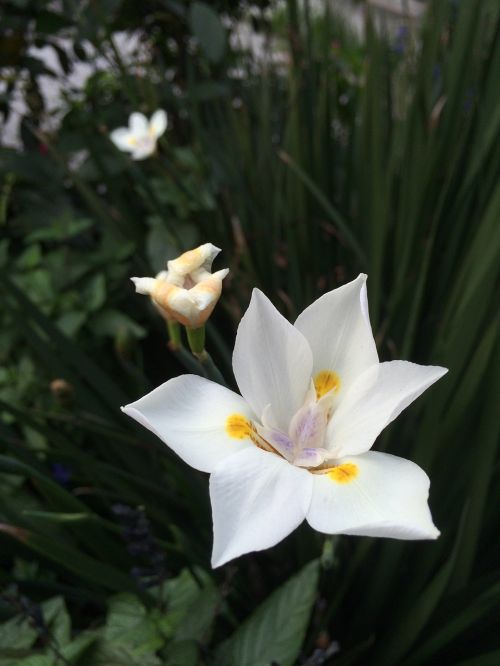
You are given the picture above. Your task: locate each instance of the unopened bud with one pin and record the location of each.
(62, 391)
(188, 291)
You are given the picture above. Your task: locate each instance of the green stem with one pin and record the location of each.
(196, 339)
(210, 369)
(174, 334)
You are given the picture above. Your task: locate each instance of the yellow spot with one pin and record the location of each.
(238, 426)
(343, 473)
(326, 381)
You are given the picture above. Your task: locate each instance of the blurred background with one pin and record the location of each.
(310, 141)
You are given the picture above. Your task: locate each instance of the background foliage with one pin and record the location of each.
(307, 160)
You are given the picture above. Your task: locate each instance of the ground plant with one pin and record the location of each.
(310, 150)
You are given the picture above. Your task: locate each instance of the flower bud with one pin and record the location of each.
(187, 292)
(62, 391)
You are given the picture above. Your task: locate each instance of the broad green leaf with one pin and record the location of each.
(57, 617)
(79, 646)
(62, 229)
(129, 623)
(30, 258)
(113, 322)
(37, 660)
(103, 653)
(94, 293)
(275, 631)
(181, 653)
(71, 322)
(16, 634)
(191, 604)
(208, 30)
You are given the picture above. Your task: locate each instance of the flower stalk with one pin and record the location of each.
(174, 335)
(196, 340)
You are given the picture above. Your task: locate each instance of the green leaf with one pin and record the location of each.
(72, 559)
(71, 322)
(113, 322)
(206, 26)
(94, 293)
(275, 631)
(57, 617)
(37, 660)
(110, 654)
(181, 653)
(30, 258)
(74, 650)
(129, 623)
(200, 615)
(160, 247)
(61, 229)
(408, 627)
(486, 659)
(16, 634)
(191, 608)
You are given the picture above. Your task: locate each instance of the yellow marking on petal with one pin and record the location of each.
(343, 473)
(326, 381)
(132, 141)
(239, 427)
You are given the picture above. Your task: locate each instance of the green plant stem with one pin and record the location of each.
(210, 369)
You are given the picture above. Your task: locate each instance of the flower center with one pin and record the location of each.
(141, 142)
(303, 444)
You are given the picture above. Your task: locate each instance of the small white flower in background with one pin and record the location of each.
(141, 135)
(296, 444)
(187, 292)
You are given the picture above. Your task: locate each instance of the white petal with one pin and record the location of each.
(377, 397)
(122, 138)
(387, 497)
(138, 124)
(146, 148)
(208, 251)
(189, 414)
(363, 297)
(339, 333)
(257, 500)
(158, 123)
(272, 362)
(144, 285)
(181, 303)
(194, 262)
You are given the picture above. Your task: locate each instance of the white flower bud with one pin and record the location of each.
(187, 292)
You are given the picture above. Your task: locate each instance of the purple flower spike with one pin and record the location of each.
(61, 473)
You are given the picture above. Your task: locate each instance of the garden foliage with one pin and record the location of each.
(319, 156)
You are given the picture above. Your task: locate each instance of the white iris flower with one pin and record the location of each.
(141, 135)
(296, 444)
